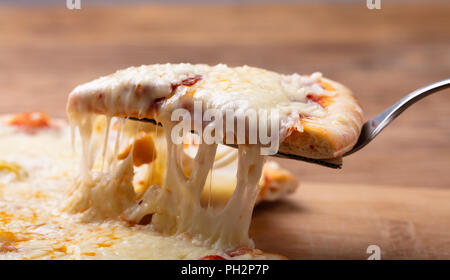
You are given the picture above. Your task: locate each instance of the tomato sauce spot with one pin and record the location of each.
(321, 100)
(213, 257)
(30, 122)
(147, 219)
(186, 82)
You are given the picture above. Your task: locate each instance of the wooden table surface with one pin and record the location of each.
(395, 193)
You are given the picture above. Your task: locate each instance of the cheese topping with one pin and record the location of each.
(36, 175)
(174, 207)
(149, 90)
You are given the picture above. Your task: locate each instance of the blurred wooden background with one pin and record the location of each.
(45, 51)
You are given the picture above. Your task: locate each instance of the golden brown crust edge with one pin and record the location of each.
(331, 136)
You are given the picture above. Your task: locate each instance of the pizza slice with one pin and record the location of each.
(319, 118)
(310, 116)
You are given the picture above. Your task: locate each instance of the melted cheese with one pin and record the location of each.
(32, 223)
(135, 90)
(175, 205)
(35, 183)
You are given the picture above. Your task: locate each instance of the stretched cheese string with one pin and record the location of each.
(120, 127)
(105, 142)
(226, 228)
(175, 206)
(153, 165)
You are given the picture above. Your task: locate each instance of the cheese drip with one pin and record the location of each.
(174, 206)
(104, 193)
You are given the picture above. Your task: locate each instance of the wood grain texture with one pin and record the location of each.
(382, 55)
(339, 221)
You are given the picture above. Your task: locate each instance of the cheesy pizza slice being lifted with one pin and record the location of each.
(315, 117)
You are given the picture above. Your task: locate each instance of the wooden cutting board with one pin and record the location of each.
(332, 221)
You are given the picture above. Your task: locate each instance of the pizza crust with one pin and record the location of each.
(331, 136)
